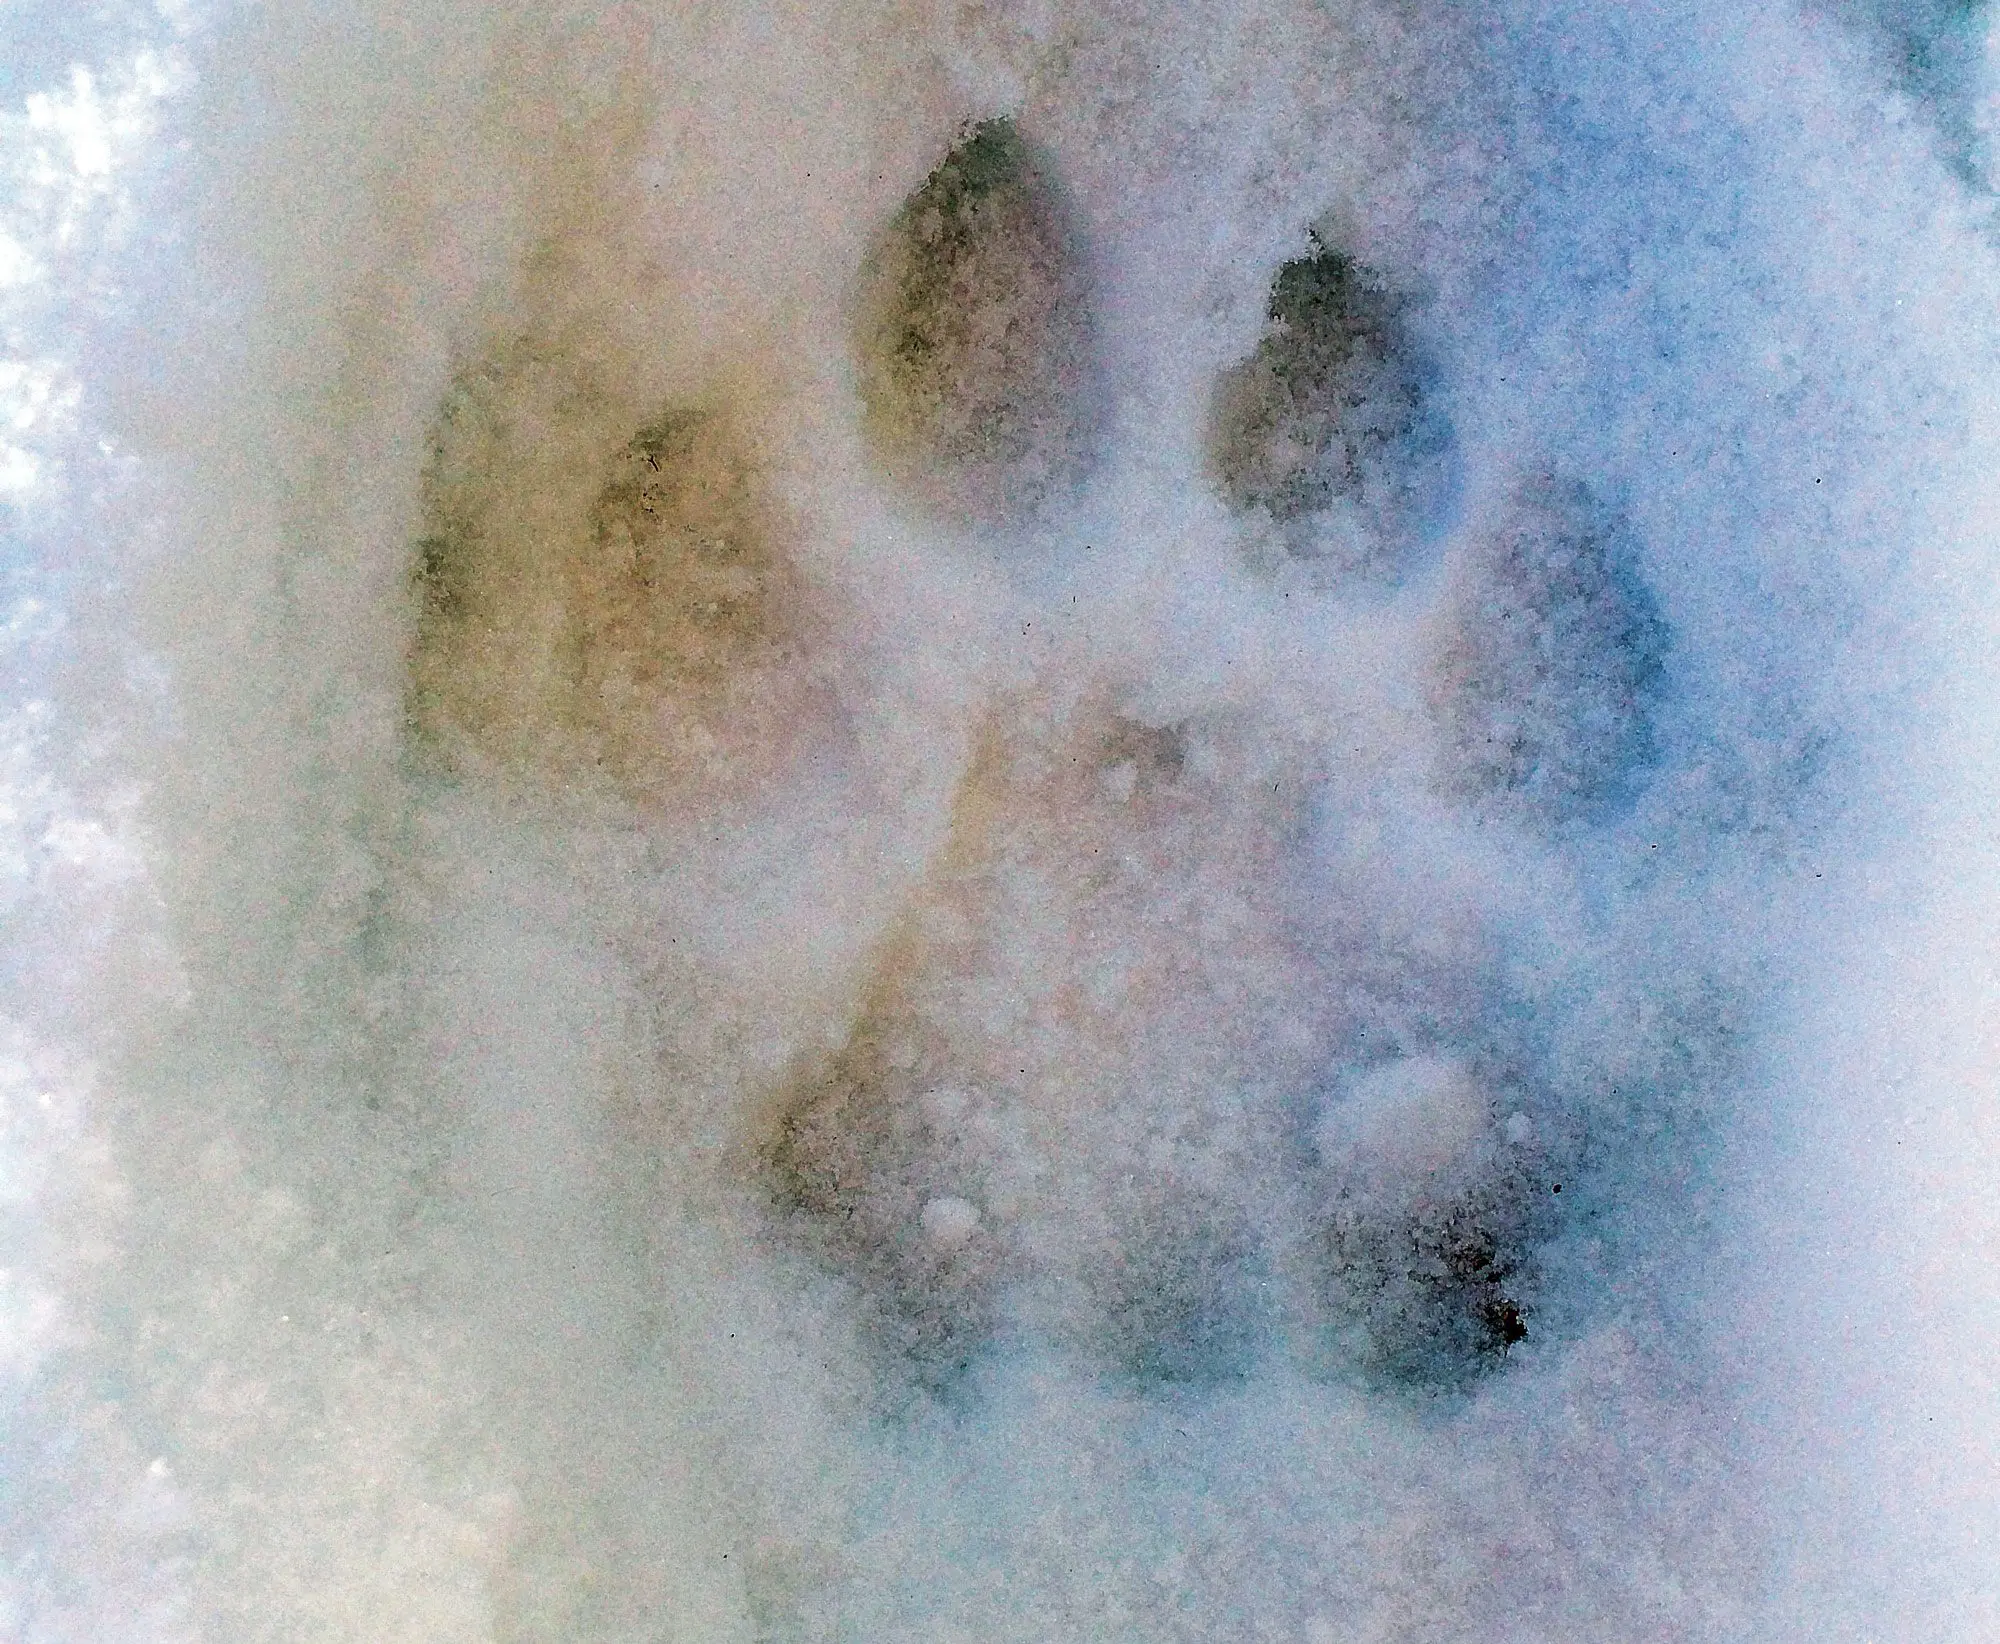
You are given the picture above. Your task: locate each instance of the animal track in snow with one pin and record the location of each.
(1058, 1037)
(1547, 675)
(1328, 427)
(1426, 1226)
(625, 613)
(975, 337)
(1104, 1084)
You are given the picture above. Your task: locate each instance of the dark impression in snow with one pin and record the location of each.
(998, 822)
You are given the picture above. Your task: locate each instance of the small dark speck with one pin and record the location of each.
(1557, 1188)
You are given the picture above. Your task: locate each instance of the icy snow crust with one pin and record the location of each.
(914, 823)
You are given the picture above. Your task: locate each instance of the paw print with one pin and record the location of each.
(626, 616)
(1547, 673)
(1037, 1120)
(1328, 429)
(1427, 1228)
(1132, 1074)
(976, 341)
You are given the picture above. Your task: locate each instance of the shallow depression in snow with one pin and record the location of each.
(998, 822)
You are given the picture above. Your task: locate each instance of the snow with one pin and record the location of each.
(999, 822)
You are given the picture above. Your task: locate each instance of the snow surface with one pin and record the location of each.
(1000, 822)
